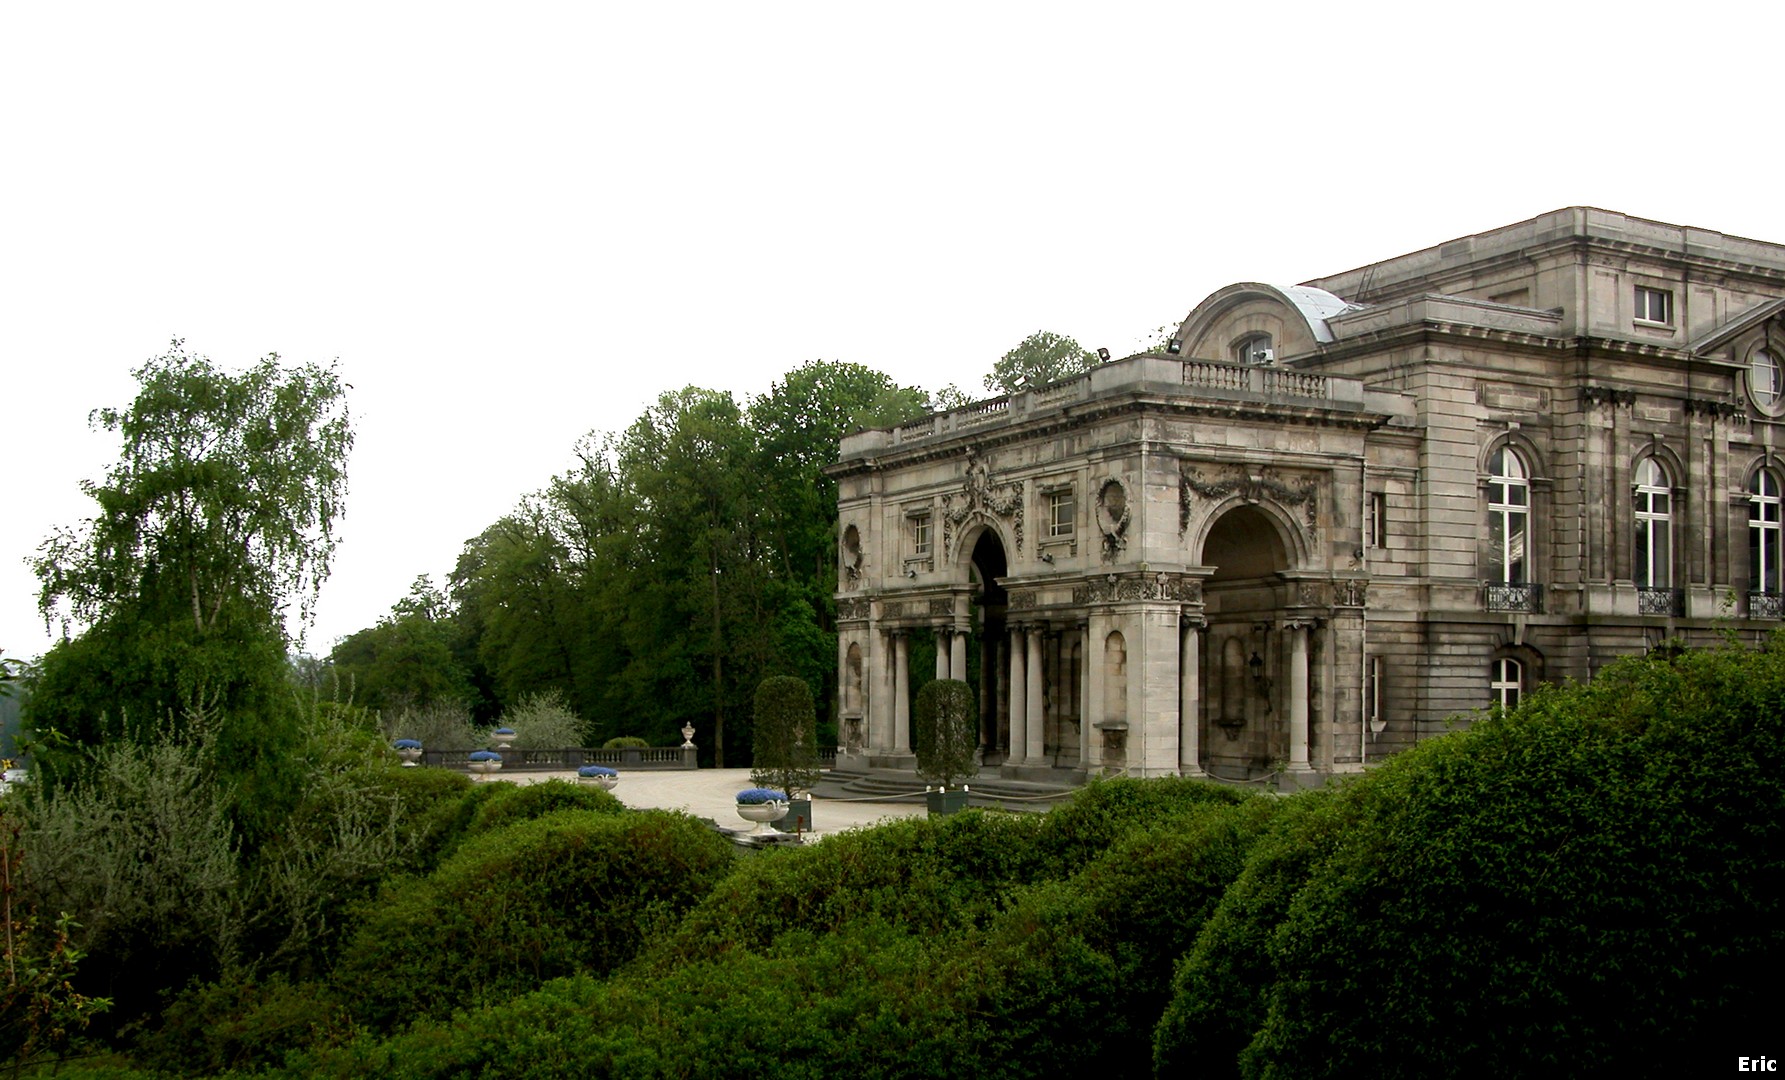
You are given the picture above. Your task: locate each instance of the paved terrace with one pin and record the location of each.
(841, 800)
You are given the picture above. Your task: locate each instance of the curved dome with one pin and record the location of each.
(1299, 321)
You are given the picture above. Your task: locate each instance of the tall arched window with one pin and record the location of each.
(1506, 680)
(1764, 578)
(1654, 527)
(1509, 518)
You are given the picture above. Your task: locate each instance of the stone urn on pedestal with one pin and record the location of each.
(599, 775)
(409, 750)
(762, 806)
(483, 762)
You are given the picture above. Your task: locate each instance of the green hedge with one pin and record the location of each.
(572, 891)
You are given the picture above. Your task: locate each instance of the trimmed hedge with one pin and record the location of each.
(569, 892)
(1595, 877)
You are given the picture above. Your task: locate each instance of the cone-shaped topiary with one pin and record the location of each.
(945, 732)
(786, 736)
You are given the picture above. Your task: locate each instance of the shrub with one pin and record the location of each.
(512, 803)
(785, 736)
(443, 725)
(945, 732)
(1572, 881)
(625, 742)
(544, 722)
(572, 891)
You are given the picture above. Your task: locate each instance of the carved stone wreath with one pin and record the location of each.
(978, 495)
(1253, 488)
(1113, 515)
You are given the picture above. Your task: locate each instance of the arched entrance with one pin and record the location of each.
(986, 564)
(1244, 655)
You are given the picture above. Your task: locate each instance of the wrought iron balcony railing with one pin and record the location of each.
(1660, 601)
(1507, 597)
(1766, 605)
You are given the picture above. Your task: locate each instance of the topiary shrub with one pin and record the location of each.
(625, 742)
(511, 803)
(569, 892)
(785, 736)
(945, 732)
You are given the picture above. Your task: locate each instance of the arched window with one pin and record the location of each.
(1254, 349)
(1506, 680)
(1763, 534)
(1654, 527)
(1509, 518)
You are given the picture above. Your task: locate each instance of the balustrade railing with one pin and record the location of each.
(1508, 597)
(1766, 605)
(1660, 601)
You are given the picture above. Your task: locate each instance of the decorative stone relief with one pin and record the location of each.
(942, 607)
(1116, 587)
(1253, 487)
(1351, 593)
(1022, 601)
(852, 607)
(1113, 515)
(979, 495)
(1605, 395)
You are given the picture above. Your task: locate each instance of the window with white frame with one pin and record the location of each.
(1654, 527)
(1376, 520)
(1509, 518)
(1506, 681)
(1254, 349)
(1763, 533)
(1373, 692)
(1060, 510)
(1654, 306)
(920, 536)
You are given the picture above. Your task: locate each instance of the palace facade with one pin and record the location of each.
(1330, 519)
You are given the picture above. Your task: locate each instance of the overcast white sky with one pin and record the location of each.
(519, 223)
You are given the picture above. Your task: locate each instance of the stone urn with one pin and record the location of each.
(762, 806)
(483, 762)
(503, 737)
(599, 776)
(409, 750)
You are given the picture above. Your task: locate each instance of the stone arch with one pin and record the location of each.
(1535, 460)
(1249, 548)
(1288, 535)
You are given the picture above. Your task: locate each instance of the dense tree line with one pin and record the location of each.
(657, 580)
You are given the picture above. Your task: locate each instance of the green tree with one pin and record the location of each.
(945, 731)
(786, 744)
(407, 660)
(1040, 358)
(220, 511)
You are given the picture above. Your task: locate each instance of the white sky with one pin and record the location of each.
(515, 224)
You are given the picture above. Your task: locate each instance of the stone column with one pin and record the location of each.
(942, 654)
(1035, 726)
(1298, 696)
(880, 676)
(957, 655)
(1019, 699)
(1084, 695)
(1189, 698)
(901, 740)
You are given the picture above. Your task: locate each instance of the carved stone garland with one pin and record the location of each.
(1116, 587)
(978, 495)
(1113, 516)
(1252, 487)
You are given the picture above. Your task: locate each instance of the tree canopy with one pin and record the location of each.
(1040, 358)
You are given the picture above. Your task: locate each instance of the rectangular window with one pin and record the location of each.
(920, 536)
(1373, 693)
(1654, 306)
(1376, 524)
(1060, 510)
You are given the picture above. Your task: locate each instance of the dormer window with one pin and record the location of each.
(1254, 349)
